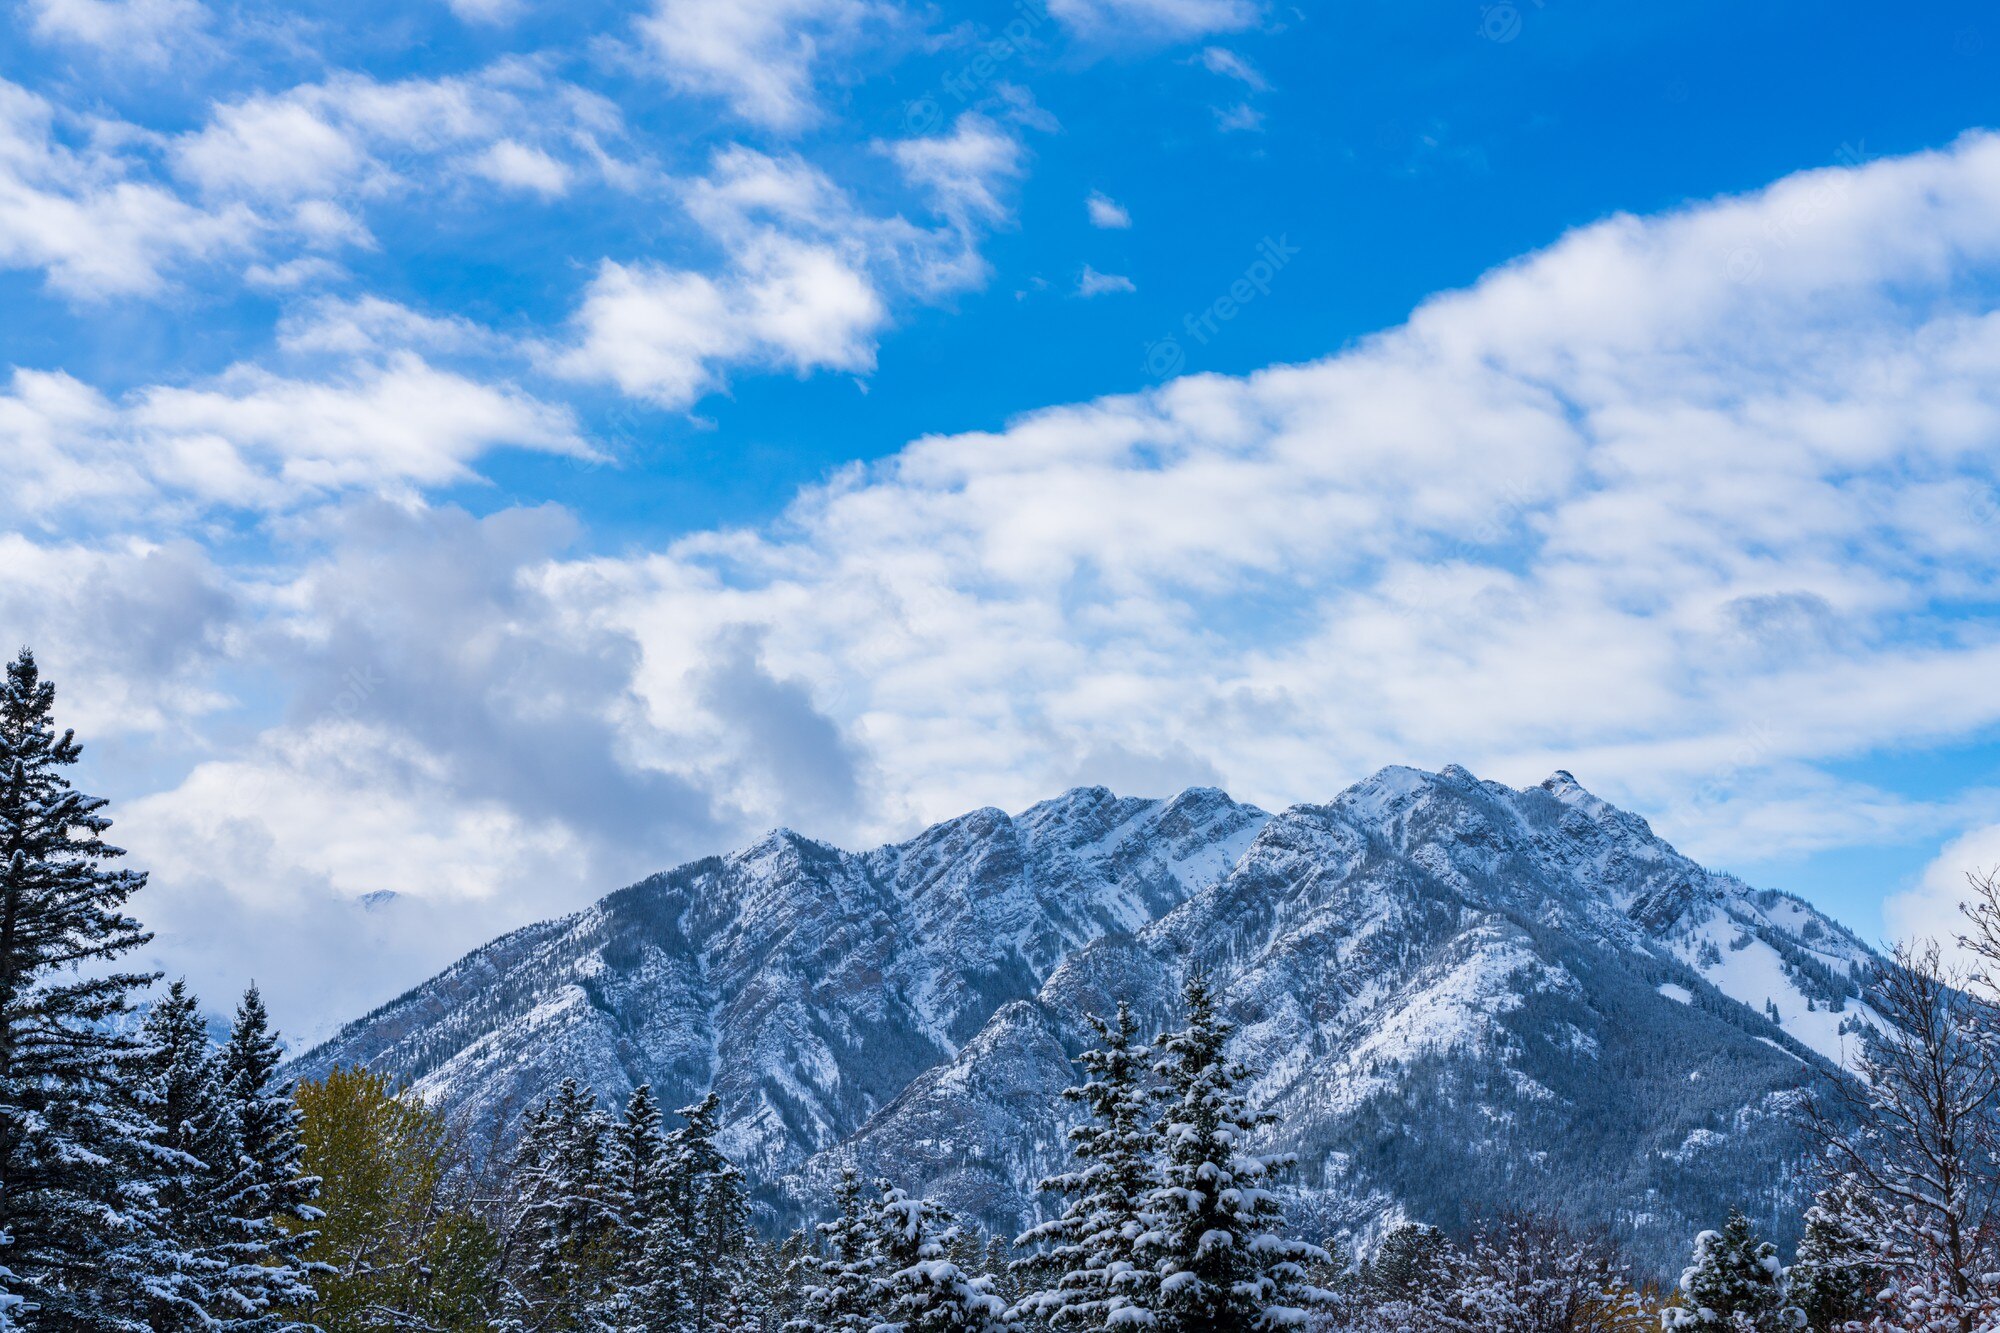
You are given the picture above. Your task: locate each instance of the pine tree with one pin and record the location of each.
(1735, 1283)
(1832, 1278)
(919, 1288)
(1100, 1280)
(711, 1213)
(183, 1095)
(79, 1160)
(1211, 1221)
(267, 1194)
(843, 1294)
(637, 1198)
(565, 1219)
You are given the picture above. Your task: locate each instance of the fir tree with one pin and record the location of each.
(79, 1161)
(1735, 1283)
(1211, 1221)
(1100, 1280)
(706, 1202)
(565, 1219)
(266, 1194)
(1833, 1279)
(839, 1292)
(183, 1095)
(920, 1289)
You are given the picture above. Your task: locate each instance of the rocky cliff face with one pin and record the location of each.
(1459, 995)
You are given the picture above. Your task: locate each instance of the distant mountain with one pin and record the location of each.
(1461, 995)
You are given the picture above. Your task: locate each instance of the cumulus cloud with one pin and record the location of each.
(806, 278)
(1605, 508)
(89, 218)
(147, 31)
(1929, 909)
(310, 158)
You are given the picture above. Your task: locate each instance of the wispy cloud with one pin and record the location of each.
(1093, 283)
(1106, 212)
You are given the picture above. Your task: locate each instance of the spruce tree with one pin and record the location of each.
(710, 1210)
(839, 1291)
(637, 1197)
(920, 1289)
(1100, 1279)
(1735, 1284)
(267, 1195)
(182, 1093)
(79, 1158)
(1212, 1219)
(565, 1218)
(1832, 1278)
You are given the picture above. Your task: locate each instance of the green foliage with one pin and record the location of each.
(400, 1244)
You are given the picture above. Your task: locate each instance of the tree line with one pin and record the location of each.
(154, 1179)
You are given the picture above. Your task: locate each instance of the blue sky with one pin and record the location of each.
(487, 450)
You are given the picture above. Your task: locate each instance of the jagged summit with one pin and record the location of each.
(1444, 979)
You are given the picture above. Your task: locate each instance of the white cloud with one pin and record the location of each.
(806, 279)
(1613, 508)
(1221, 60)
(148, 31)
(666, 334)
(1106, 212)
(1929, 909)
(1093, 283)
(494, 12)
(1123, 21)
(760, 57)
(82, 214)
(253, 439)
(321, 150)
(965, 169)
(1242, 116)
(522, 167)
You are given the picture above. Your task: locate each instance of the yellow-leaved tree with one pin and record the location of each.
(401, 1244)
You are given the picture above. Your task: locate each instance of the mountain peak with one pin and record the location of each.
(1427, 950)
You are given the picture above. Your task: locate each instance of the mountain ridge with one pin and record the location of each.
(1434, 973)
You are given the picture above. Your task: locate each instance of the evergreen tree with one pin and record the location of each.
(1212, 1219)
(565, 1220)
(841, 1298)
(1735, 1283)
(79, 1160)
(1832, 1279)
(638, 1165)
(708, 1207)
(182, 1093)
(920, 1289)
(1091, 1252)
(266, 1194)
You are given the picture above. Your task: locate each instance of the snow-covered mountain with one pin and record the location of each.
(1460, 995)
